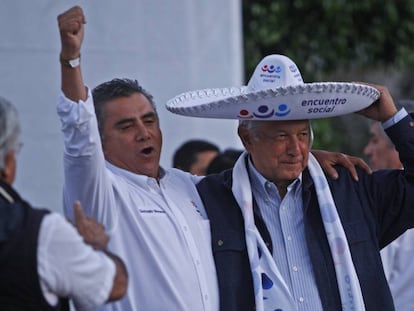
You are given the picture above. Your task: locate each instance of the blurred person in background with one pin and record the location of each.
(194, 156)
(44, 260)
(397, 257)
(380, 150)
(223, 161)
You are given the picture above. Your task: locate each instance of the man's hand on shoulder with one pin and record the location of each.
(93, 232)
(328, 160)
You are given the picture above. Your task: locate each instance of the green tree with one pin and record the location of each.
(332, 39)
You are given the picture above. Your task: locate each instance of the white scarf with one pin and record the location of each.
(271, 291)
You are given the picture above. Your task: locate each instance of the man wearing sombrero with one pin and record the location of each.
(284, 236)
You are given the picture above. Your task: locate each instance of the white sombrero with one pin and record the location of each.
(276, 91)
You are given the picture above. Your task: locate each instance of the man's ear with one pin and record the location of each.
(9, 170)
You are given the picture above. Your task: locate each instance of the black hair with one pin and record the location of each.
(186, 155)
(114, 89)
(223, 161)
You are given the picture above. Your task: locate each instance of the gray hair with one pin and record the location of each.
(9, 129)
(249, 124)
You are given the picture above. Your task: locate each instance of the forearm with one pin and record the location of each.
(70, 268)
(72, 83)
(71, 29)
(120, 283)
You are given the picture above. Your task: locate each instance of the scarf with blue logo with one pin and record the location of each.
(271, 291)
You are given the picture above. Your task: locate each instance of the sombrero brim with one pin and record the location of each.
(303, 101)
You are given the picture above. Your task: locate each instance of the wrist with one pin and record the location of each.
(71, 62)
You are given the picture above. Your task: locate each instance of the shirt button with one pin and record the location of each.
(294, 268)
(289, 238)
(220, 242)
(301, 299)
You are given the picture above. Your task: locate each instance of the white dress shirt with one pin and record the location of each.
(160, 230)
(67, 267)
(397, 259)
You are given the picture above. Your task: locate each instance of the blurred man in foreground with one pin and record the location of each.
(44, 260)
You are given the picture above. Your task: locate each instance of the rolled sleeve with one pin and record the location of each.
(78, 125)
(68, 267)
(401, 114)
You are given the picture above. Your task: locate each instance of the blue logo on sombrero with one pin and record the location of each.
(278, 69)
(263, 112)
(282, 111)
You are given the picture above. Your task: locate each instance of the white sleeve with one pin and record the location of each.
(401, 114)
(86, 177)
(68, 267)
(400, 268)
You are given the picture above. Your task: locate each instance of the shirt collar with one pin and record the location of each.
(134, 178)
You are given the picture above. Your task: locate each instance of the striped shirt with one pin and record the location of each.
(284, 220)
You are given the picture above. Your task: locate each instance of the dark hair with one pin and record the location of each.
(114, 89)
(186, 155)
(223, 161)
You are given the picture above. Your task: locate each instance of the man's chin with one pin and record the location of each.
(150, 171)
(292, 175)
